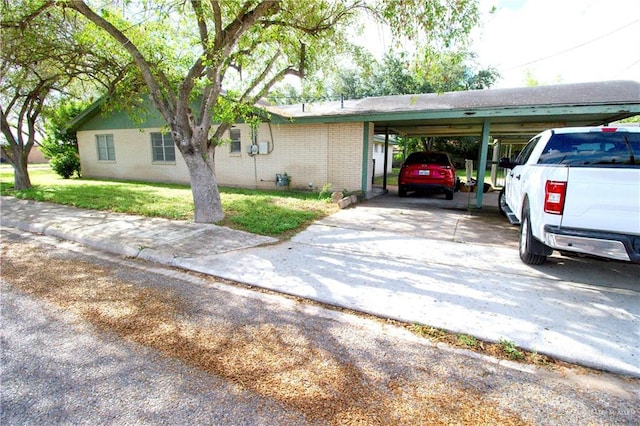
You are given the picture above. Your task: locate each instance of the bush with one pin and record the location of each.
(325, 194)
(66, 164)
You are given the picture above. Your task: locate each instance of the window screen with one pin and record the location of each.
(162, 147)
(105, 147)
(234, 134)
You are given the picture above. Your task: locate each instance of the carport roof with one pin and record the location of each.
(514, 113)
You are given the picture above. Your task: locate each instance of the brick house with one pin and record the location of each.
(337, 142)
(312, 154)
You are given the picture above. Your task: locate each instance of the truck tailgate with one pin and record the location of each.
(605, 199)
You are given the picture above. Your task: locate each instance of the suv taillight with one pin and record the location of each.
(554, 193)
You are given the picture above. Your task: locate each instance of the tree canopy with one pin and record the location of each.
(398, 73)
(46, 55)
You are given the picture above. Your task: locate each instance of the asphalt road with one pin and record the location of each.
(60, 367)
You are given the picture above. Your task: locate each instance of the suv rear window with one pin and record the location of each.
(428, 158)
(593, 148)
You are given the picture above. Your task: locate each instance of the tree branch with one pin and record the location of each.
(164, 100)
(299, 72)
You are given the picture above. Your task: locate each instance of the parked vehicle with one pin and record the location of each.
(576, 190)
(429, 172)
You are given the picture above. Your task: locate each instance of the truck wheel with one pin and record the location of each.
(502, 202)
(528, 244)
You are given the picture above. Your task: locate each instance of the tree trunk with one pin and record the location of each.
(19, 160)
(21, 178)
(204, 187)
(17, 155)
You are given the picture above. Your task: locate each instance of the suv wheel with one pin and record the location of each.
(448, 194)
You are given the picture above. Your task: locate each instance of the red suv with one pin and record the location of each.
(428, 171)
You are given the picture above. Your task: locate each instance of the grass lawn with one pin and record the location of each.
(277, 213)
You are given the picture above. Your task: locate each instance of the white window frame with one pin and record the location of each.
(167, 145)
(235, 147)
(105, 147)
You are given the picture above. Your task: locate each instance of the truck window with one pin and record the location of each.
(527, 150)
(593, 149)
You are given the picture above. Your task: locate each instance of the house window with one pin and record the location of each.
(234, 134)
(162, 147)
(105, 147)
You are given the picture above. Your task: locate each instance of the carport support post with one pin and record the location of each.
(386, 156)
(482, 163)
(365, 157)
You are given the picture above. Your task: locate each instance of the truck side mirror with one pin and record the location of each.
(506, 163)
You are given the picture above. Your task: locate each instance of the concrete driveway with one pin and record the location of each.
(433, 217)
(431, 261)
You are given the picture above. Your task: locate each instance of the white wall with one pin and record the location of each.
(378, 155)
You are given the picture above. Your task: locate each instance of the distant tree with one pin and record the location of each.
(60, 145)
(396, 74)
(452, 71)
(634, 119)
(57, 135)
(530, 80)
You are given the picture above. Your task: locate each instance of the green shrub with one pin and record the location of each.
(510, 348)
(66, 164)
(466, 340)
(326, 192)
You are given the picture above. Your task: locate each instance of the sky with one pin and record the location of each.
(560, 41)
(553, 41)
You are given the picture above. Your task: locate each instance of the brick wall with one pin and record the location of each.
(133, 158)
(345, 158)
(311, 154)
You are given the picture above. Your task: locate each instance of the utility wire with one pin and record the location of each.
(629, 67)
(576, 47)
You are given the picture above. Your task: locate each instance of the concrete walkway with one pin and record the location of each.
(427, 263)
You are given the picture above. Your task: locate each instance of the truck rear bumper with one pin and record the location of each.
(596, 243)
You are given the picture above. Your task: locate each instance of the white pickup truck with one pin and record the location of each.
(576, 190)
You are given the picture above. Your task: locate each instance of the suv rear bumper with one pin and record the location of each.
(428, 187)
(610, 245)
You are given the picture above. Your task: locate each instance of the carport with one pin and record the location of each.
(511, 115)
(508, 115)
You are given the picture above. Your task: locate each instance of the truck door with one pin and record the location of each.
(513, 180)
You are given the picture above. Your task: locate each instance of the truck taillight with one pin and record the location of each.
(554, 193)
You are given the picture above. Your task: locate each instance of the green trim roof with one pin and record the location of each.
(513, 112)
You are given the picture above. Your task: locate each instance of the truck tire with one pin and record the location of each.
(502, 202)
(529, 246)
